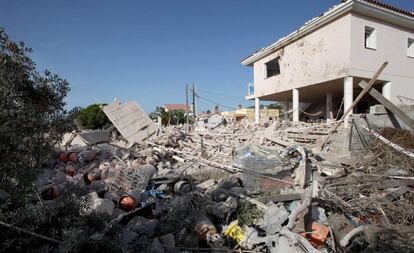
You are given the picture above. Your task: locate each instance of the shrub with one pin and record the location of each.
(93, 117)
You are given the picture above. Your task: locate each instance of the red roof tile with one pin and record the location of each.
(389, 7)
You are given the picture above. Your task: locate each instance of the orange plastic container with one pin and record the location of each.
(317, 234)
(63, 157)
(73, 157)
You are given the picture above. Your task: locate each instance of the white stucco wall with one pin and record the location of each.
(391, 46)
(319, 56)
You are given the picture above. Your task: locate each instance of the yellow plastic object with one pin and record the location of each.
(235, 231)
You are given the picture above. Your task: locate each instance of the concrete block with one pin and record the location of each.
(377, 110)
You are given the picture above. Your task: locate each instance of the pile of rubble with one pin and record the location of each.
(232, 189)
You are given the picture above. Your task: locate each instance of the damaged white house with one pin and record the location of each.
(315, 70)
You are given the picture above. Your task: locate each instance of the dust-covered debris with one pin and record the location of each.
(226, 188)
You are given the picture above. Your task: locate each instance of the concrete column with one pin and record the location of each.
(348, 97)
(386, 90)
(295, 104)
(257, 110)
(286, 107)
(329, 112)
(159, 121)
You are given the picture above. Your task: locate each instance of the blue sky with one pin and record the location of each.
(147, 51)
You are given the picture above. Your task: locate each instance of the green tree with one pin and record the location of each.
(275, 106)
(32, 121)
(32, 116)
(93, 117)
(178, 117)
(164, 114)
(153, 115)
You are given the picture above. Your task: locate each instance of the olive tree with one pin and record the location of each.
(32, 120)
(32, 116)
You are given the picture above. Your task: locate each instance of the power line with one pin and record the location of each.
(217, 93)
(214, 102)
(234, 99)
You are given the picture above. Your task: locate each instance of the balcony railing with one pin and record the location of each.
(250, 89)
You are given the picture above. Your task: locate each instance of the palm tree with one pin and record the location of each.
(179, 116)
(164, 114)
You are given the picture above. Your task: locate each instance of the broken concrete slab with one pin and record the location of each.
(130, 120)
(389, 105)
(214, 121)
(95, 137)
(72, 139)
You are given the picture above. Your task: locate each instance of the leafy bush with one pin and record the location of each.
(178, 117)
(93, 117)
(32, 121)
(173, 117)
(32, 116)
(63, 220)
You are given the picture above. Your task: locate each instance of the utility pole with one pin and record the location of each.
(186, 105)
(194, 105)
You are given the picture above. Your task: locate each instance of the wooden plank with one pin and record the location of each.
(281, 197)
(389, 105)
(395, 194)
(371, 82)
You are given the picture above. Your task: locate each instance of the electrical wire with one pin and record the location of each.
(216, 97)
(217, 93)
(214, 102)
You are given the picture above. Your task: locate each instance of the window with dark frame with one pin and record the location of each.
(410, 47)
(370, 38)
(272, 68)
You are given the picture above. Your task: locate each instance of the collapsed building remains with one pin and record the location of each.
(243, 187)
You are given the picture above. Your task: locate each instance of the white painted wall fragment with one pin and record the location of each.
(130, 120)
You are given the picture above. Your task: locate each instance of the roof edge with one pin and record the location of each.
(309, 26)
(315, 23)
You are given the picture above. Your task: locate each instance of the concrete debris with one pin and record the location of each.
(96, 136)
(273, 218)
(143, 226)
(85, 138)
(206, 184)
(234, 185)
(130, 120)
(100, 205)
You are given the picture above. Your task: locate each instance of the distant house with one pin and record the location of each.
(317, 67)
(176, 107)
(266, 114)
(210, 120)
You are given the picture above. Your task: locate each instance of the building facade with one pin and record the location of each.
(266, 114)
(315, 70)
